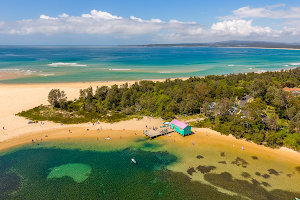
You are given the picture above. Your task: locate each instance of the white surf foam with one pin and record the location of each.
(295, 63)
(46, 74)
(230, 65)
(120, 69)
(9, 69)
(261, 71)
(60, 64)
(165, 72)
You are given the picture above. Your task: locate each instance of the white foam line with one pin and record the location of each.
(60, 64)
(120, 69)
(46, 74)
(9, 69)
(295, 63)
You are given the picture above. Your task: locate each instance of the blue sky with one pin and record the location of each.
(97, 22)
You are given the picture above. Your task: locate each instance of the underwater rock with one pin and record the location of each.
(205, 169)
(191, 170)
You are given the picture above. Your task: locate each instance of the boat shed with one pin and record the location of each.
(180, 127)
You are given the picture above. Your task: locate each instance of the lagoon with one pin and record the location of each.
(165, 171)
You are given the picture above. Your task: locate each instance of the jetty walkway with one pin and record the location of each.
(158, 132)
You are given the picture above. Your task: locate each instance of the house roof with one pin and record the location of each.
(287, 89)
(179, 123)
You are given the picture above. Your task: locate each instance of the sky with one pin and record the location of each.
(132, 22)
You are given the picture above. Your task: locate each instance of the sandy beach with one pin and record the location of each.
(15, 98)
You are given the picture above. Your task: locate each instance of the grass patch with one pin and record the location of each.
(43, 113)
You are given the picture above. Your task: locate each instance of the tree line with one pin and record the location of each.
(271, 118)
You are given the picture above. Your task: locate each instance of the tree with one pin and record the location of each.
(255, 108)
(113, 97)
(295, 123)
(222, 107)
(271, 94)
(272, 121)
(57, 98)
(101, 92)
(258, 88)
(202, 90)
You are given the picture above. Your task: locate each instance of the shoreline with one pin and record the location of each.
(11, 77)
(15, 98)
(90, 132)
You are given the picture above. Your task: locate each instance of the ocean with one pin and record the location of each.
(49, 64)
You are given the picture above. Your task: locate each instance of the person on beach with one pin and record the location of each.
(206, 134)
(3, 127)
(146, 127)
(242, 148)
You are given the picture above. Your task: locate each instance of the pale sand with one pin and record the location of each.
(18, 97)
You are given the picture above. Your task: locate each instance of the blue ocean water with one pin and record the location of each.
(42, 64)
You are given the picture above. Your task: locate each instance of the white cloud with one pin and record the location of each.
(265, 12)
(156, 21)
(146, 21)
(179, 22)
(240, 28)
(100, 15)
(103, 23)
(136, 19)
(47, 17)
(64, 15)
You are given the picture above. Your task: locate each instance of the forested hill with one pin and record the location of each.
(271, 117)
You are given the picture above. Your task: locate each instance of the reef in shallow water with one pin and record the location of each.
(77, 171)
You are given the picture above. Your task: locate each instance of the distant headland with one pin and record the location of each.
(231, 43)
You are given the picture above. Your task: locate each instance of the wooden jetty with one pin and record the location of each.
(160, 131)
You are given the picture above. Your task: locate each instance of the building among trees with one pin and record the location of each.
(180, 127)
(295, 91)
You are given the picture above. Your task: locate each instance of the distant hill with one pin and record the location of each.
(233, 43)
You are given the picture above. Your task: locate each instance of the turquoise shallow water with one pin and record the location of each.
(41, 64)
(33, 173)
(54, 171)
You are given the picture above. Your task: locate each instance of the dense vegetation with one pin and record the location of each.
(271, 118)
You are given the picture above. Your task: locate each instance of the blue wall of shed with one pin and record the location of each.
(185, 131)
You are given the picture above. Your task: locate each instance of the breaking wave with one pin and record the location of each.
(60, 64)
(295, 63)
(46, 74)
(120, 69)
